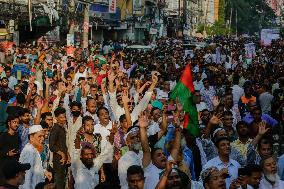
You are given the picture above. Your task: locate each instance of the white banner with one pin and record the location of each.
(267, 35)
(250, 50)
(112, 6)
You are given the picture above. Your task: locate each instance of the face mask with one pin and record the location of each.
(76, 113)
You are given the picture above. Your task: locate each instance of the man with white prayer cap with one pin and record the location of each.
(31, 154)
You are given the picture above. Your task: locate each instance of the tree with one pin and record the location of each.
(252, 16)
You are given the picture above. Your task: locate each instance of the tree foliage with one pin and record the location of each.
(252, 15)
(218, 28)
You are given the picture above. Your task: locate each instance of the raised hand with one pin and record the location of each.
(143, 120)
(103, 88)
(12, 153)
(169, 167)
(215, 119)
(111, 76)
(61, 88)
(113, 131)
(124, 97)
(155, 79)
(262, 128)
(39, 104)
(48, 175)
(48, 81)
(216, 101)
(176, 121)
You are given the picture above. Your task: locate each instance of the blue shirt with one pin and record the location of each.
(23, 133)
(267, 118)
(232, 167)
(188, 159)
(281, 167)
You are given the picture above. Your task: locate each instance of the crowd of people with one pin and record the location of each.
(102, 117)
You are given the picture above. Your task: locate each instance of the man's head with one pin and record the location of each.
(254, 174)
(197, 97)
(228, 100)
(25, 115)
(205, 82)
(47, 119)
(123, 121)
(198, 76)
(242, 129)
(256, 114)
(87, 155)
(36, 136)
(13, 122)
(93, 90)
(205, 116)
(158, 158)
(91, 105)
(269, 167)
(223, 146)
(264, 148)
(60, 114)
(103, 115)
(156, 114)
(4, 82)
(7, 70)
(177, 180)
(76, 108)
(213, 179)
(135, 177)
(227, 119)
(14, 172)
(132, 139)
(81, 68)
(248, 90)
(88, 124)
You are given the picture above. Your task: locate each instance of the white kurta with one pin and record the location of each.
(35, 174)
(88, 178)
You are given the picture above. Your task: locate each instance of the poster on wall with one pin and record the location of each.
(70, 39)
(137, 6)
(250, 50)
(112, 6)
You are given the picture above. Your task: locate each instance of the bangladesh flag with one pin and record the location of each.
(184, 92)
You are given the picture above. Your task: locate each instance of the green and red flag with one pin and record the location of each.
(184, 91)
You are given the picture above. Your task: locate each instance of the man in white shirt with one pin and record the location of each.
(134, 156)
(82, 72)
(270, 179)
(135, 177)
(223, 161)
(237, 91)
(118, 110)
(31, 154)
(85, 170)
(198, 84)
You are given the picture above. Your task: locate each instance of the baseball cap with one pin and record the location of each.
(13, 167)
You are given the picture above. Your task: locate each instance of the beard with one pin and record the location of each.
(88, 163)
(136, 146)
(272, 177)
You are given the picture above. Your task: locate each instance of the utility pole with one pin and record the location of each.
(236, 23)
(86, 27)
(231, 20)
(184, 14)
